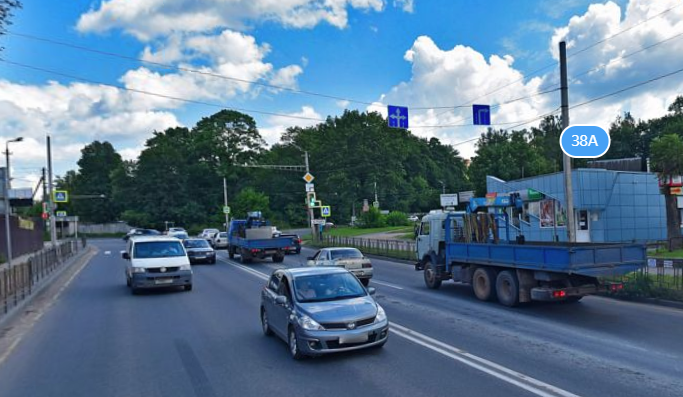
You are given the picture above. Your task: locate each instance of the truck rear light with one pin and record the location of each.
(559, 294)
(617, 287)
(367, 265)
(254, 251)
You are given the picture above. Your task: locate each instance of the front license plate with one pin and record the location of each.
(199, 257)
(163, 281)
(360, 338)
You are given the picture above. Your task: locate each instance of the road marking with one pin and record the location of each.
(505, 374)
(107, 252)
(386, 284)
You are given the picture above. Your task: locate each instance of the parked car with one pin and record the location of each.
(296, 248)
(141, 232)
(321, 310)
(413, 218)
(208, 234)
(349, 258)
(156, 261)
(199, 250)
(220, 240)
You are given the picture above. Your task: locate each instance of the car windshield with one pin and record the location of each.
(196, 244)
(158, 249)
(346, 253)
(223, 234)
(327, 287)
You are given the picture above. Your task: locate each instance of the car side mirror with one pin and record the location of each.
(310, 263)
(310, 258)
(281, 300)
(125, 255)
(371, 290)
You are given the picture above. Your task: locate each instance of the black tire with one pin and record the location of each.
(483, 283)
(231, 252)
(507, 288)
(135, 291)
(265, 325)
(431, 279)
(188, 287)
(128, 282)
(293, 344)
(365, 281)
(278, 258)
(213, 261)
(298, 251)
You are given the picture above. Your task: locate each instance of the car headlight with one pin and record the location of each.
(381, 315)
(309, 324)
(185, 267)
(138, 270)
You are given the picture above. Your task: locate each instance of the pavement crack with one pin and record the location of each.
(193, 367)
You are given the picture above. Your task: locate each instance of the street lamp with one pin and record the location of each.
(7, 207)
(443, 187)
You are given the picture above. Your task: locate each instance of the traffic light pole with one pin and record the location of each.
(225, 201)
(311, 216)
(50, 198)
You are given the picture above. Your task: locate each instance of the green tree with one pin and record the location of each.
(7, 8)
(250, 200)
(98, 161)
(667, 160)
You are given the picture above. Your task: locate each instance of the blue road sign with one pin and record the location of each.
(398, 116)
(61, 196)
(325, 211)
(482, 114)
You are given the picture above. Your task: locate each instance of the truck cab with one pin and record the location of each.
(431, 234)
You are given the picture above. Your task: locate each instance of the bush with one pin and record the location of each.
(397, 218)
(372, 219)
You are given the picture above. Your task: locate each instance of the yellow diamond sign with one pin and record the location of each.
(308, 177)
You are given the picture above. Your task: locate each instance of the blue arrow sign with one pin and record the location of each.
(482, 114)
(398, 116)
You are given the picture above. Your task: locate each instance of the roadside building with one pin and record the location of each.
(610, 206)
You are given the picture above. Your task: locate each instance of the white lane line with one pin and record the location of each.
(505, 374)
(518, 379)
(107, 252)
(386, 284)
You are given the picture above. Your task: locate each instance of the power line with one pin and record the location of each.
(193, 101)
(642, 83)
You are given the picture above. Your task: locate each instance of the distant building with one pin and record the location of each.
(609, 206)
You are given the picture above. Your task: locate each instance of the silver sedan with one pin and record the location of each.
(322, 310)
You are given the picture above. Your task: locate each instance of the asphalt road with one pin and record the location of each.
(99, 340)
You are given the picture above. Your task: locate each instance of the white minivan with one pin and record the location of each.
(156, 261)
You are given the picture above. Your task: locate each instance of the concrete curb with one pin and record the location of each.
(18, 309)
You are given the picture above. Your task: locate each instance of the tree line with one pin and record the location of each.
(178, 176)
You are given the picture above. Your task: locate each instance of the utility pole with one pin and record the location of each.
(51, 206)
(311, 216)
(225, 202)
(376, 199)
(569, 192)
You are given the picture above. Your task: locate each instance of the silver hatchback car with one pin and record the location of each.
(322, 310)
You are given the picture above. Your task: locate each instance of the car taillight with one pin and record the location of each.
(254, 251)
(617, 287)
(559, 294)
(367, 265)
(298, 241)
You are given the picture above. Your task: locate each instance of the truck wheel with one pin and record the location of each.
(365, 281)
(507, 288)
(245, 257)
(483, 282)
(277, 258)
(431, 279)
(231, 252)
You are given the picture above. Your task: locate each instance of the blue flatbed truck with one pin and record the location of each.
(454, 246)
(253, 238)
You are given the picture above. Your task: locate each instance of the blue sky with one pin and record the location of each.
(418, 53)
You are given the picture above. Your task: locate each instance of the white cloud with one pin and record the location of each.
(152, 18)
(277, 125)
(286, 77)
(405, 5)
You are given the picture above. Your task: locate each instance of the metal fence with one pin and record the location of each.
(662, 278)
(20, 281)
(391, 248)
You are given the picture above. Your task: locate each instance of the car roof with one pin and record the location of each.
(312, 271)
(195, 239)
(340, 248)
(142, 239)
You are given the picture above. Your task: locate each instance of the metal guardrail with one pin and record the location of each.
(20, 281)
(391, 248)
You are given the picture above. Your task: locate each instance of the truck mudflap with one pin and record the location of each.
(559, 294)
(419, 266)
